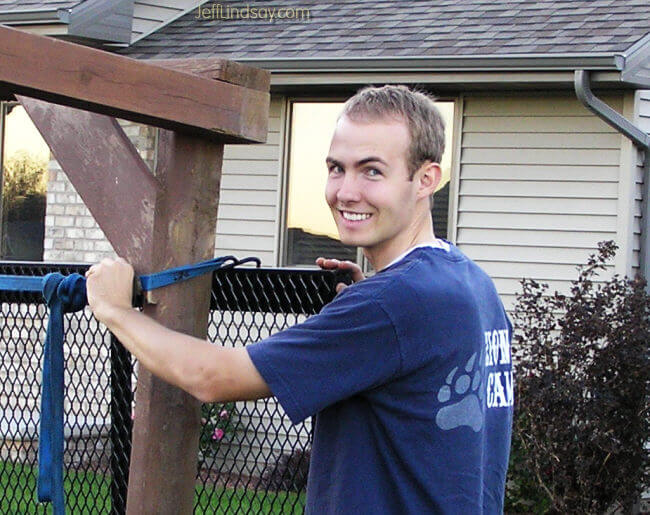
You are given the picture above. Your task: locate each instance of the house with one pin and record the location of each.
(535, 179)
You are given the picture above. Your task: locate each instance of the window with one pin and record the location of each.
(310, 230)
(25, 156)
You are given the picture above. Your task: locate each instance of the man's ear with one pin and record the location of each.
(429, 175)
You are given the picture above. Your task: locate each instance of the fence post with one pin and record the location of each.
(121, 424)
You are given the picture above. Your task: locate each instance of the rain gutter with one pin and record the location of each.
(582, 83)
(603, 61)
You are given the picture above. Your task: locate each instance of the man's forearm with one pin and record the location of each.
(209, 372)
(178, 358)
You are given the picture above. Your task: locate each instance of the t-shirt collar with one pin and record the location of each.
(436, 244)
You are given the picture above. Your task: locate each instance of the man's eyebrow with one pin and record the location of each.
(366, 160)
(371, 159)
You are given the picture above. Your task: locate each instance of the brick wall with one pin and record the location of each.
(71, 233)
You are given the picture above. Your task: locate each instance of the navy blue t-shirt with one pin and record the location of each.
(408, 376)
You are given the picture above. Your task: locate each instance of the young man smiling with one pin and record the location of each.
(409, 415)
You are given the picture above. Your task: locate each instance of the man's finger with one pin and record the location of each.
(328, 263)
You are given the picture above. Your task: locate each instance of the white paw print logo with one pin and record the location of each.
(462, 398)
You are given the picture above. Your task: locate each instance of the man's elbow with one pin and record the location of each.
(229, 377)
(206, 386)
(204, 395)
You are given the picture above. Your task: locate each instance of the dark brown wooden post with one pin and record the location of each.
(166, 430)
(154, 221)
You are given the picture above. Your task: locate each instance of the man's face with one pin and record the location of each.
(368, 187)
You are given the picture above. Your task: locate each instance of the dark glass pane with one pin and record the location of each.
(440, 212)
(303, 248)
(24, 184)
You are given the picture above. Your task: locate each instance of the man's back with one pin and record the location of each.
(409, 374)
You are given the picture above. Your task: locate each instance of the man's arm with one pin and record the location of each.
(208, 372)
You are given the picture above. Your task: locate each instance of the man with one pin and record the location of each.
(407, 373)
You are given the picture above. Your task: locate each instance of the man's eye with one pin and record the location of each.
(335, 169)
(373, 172)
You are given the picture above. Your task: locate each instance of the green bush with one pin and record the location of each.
(24, 176)
(581, 415)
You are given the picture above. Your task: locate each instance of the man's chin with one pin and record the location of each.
(350, 240)
(354, 242)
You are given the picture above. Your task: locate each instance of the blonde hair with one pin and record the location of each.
(425, 124)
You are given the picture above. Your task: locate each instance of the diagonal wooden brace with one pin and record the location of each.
(107, 171)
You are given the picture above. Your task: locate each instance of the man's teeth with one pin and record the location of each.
(355, 216)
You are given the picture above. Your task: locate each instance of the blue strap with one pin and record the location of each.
(181, 273)
(21, 283)
(63, 295)
(66, 294)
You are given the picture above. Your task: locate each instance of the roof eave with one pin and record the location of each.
(636, 68)
(33, 17)
(513, 62)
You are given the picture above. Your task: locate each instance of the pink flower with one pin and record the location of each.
(218, 434)
(223, 414)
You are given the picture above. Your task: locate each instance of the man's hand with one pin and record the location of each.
(333, 264)
(109, 287)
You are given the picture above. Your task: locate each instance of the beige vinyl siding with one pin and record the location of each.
(538, 186)
(644, 110)
(629, 208)
(642, 120)
(150, 15)
(248, 212)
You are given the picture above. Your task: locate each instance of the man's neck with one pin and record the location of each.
(382, 255)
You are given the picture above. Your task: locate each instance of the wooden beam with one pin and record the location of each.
(95, 80)
(220, 69)
(166, 430)
(105, 169)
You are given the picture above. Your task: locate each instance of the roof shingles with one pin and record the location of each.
(418, 27)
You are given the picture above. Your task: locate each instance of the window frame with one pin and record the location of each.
(283, 197)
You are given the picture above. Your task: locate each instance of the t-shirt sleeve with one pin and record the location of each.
(349, 347)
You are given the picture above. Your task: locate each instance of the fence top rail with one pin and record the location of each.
(269, 290)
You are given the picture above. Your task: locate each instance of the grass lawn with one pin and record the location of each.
(89, 493)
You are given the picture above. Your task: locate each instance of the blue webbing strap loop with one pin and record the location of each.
(63, 295)
(66, 294)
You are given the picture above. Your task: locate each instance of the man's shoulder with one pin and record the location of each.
(415, 273)
(423, 278)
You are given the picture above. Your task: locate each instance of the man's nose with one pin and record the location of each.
(350, 189)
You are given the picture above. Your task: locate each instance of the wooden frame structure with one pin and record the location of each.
(166, 218)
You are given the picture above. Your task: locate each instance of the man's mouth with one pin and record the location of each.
(354, 217)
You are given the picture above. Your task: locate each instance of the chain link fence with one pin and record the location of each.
(250, 458)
